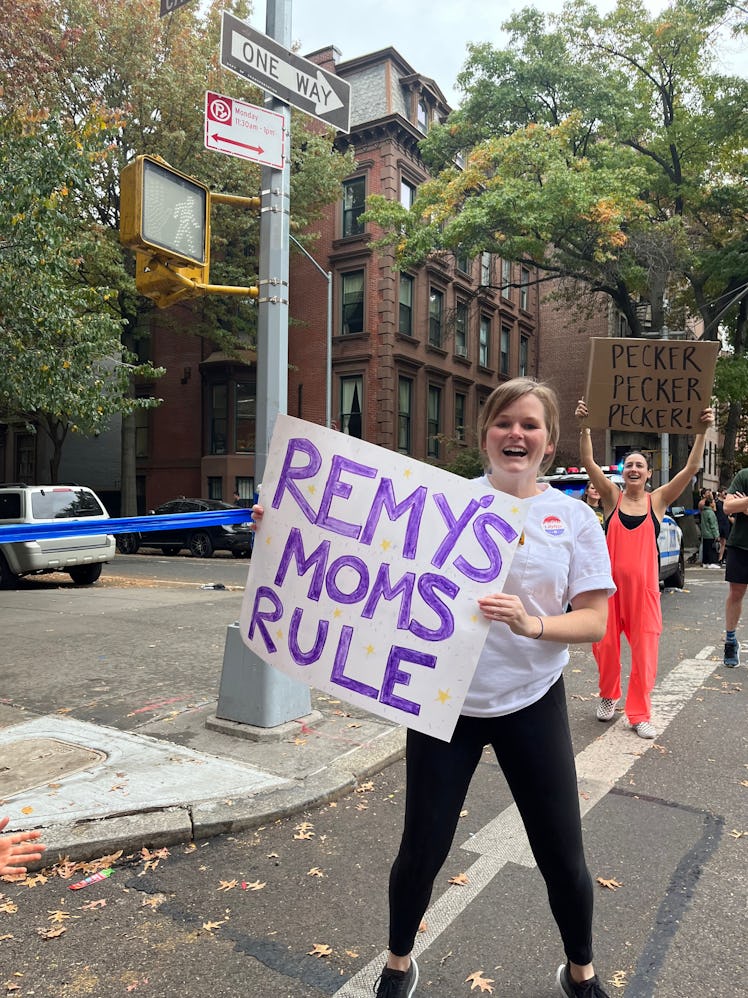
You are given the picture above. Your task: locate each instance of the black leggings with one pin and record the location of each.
(533, 747)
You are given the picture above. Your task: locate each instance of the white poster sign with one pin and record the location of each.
(366, 571)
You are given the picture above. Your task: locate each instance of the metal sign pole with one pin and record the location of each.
(253, 692)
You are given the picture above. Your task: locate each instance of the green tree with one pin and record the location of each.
(605, 149)
(150, 75)
(62, 365)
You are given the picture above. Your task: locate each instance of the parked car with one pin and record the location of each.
(670, 541)
(81, 557)
(201, 541)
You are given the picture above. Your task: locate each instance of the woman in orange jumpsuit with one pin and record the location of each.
(632, 524)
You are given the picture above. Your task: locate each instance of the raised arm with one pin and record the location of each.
(608, 490)
(667, 493)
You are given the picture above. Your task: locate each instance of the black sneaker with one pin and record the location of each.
(397, 983)
(587, 989)
(732, 654)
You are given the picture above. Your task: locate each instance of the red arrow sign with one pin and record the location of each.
(224, 138)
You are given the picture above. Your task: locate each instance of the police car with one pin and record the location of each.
(573, 482)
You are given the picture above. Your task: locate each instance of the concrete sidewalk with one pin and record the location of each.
(94, 789)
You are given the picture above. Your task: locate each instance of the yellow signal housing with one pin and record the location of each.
(165, 218)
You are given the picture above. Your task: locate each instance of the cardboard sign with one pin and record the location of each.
(654, 386)
(366, 572)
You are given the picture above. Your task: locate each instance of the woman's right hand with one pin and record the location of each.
(581, 410)
(257, 514)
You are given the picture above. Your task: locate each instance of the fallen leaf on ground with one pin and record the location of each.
(211, 926)
(460, 880)
(101, 903)
(52, 933)
(612, 885)
(228, 885)
(320, 949)
(477, 980)
(256, 885)
(315, 872)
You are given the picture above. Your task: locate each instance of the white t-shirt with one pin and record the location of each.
(564, 554)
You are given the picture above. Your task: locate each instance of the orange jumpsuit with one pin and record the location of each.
(634, 609)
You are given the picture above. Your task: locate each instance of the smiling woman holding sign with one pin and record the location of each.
(516, 701)
(632, 525)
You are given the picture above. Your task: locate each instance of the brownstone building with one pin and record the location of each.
(413, 353)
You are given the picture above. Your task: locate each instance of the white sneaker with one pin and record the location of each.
(644, 729)
(606, 709)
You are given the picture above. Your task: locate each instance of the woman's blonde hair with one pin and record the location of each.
(509, 392)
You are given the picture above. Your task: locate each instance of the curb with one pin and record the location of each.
(86, 840)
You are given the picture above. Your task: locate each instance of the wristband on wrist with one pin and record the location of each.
(542, 628)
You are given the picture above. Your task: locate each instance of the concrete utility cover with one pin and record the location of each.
(34, 762)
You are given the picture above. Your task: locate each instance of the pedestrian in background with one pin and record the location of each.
(17, 849)
(592, 497)
(709, 528)
(724, 523)
(632, 524)
(736, 563)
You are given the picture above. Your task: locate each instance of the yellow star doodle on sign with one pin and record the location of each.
(407, 472)
(311, 489)
(337, 612)
(370, 649)
(443, 695)
(279, 634)
(386, 545)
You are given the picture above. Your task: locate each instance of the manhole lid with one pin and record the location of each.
(32, 762)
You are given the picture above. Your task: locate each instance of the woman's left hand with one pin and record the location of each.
(706, 419)
(509, 610)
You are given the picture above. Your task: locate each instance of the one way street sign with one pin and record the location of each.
(297, 81)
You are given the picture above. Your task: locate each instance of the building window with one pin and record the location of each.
(407, 194)
(436, 311)
(25, 457)
(141, 432)
(245, 415)
(506, 278)
(460, 410)
(434, 421)
(352, 302)
(524, 349)
(506, 336)
(422, 116)
(218, 418)
(406, 305)
(484, 341)
(245, 488)
(215, 487)
(404, 414)
(354, 204)
(351, 398)
(462, 261)
(486, 269)
(461, 329)
(524, 289)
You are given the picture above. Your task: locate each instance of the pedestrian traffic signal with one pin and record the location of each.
(164, 212)
(165, 218)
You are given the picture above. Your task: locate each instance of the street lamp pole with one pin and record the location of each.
(327, 274)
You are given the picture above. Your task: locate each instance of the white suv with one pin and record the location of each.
(80, 556)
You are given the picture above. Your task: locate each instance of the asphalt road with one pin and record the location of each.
(298, 908)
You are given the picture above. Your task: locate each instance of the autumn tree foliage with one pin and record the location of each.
(610, 151)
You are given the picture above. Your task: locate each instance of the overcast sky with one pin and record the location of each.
(432, 35)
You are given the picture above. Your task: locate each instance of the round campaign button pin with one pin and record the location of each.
(553, 526)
